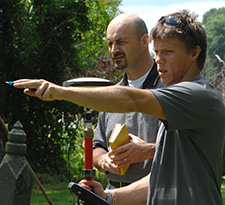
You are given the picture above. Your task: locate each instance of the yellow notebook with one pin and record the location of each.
(119, 137)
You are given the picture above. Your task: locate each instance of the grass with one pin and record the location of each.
(59, 194)
(60, 197)
(56, 190)
(223, 192)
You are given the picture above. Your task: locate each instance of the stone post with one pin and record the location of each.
(15, 179)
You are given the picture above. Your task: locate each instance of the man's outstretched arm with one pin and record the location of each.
(116, 99)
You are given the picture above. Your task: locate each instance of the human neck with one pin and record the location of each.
(193, 73)
(137, 71)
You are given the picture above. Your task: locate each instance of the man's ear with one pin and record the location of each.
(145, 41)
(195, 52)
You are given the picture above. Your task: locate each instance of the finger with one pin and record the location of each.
(115, 170)
(29, 92)
(125, 163)
(26, 83)
(84, 184)
(20, 81)
(132, 136)
(83, 181)
(93, 183)
(119, 156)
(120, 149)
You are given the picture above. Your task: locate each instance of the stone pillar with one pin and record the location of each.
(15, 179)
(3, 138)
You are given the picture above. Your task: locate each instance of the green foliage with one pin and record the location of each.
(93, 44)
(45, 39)
(61, 197)
(74, 149)
(214, 22)
(40, 31)
(56, 189)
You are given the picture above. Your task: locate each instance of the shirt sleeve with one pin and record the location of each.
(185, 105)
(99, 136)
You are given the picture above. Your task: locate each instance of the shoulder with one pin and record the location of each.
(189, 88)
(192, 93)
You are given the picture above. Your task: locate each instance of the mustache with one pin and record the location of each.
(118, 54)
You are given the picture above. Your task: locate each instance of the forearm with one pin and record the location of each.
(93, 98)
(118, 99)
(98, 154)
(149, 150)
(135, 193)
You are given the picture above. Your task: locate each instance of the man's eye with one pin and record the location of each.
(121, 42)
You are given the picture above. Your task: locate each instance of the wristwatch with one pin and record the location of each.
(109, 197)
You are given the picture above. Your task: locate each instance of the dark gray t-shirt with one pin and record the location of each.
(141, 125)
(187, 165)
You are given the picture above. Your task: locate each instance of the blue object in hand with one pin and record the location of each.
(9, 82)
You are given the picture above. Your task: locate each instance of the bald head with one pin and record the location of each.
(132, 21)
(127, 39)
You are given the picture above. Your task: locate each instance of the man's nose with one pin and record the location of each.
(115, 48)
(159, 58)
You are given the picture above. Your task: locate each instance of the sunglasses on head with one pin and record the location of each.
(177, 22)
(172, 21)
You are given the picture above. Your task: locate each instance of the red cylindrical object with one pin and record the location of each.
(88, 152)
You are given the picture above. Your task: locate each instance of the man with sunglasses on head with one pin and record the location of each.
(127, 38)
(187, 165)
